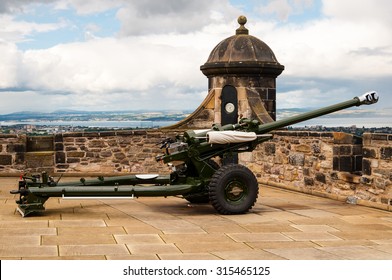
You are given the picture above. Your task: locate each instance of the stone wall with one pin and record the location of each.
(12, 153)
(377, 165)
(89, 153)
(109, 152)
(336, 165)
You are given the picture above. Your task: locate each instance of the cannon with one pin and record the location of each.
(195, 174)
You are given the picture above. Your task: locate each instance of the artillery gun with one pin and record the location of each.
(231, 189)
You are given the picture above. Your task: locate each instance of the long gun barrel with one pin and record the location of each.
(367, 98)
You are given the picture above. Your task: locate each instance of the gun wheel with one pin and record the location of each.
(233, 189)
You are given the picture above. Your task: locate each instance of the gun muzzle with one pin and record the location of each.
(368, 98)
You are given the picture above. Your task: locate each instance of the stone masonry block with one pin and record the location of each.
(58, 146)
(39, 159)
(5, 159)
(357, 150)
(367, 139)
(19, 158)
(366, 167)
(75, 154)
(345, 138)
(346, 164)
(60, 157)
(269, 149)
(16, 148)
(297, 159)
(58, 138)
(335, 163)
(320, 177)
(380, 137)
(386, 153)
(369, 152)
(308, 181)
(73, 160)
(97, 143)
(357, 163)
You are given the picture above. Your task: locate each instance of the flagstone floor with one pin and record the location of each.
(282, 225)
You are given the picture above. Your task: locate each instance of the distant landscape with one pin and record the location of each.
(69, 115)
(39, 123)
(167, 115)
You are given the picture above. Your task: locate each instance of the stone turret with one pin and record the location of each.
(241, 72)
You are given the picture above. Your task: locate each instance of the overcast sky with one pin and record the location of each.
(146, 54)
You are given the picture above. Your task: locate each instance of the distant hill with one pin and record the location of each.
(75, 115)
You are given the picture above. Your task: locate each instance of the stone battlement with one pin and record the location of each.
(333, 164)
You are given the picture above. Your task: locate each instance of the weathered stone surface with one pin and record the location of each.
(303, 148)
(321, 177)
(73, 160)
(5, 159)
(97, 143)
(297, 159)
(308, 181)
(269, 149)
(16, 148)
(58, 146)
(39, 159)
(386, 153)
(369, 152)
(60, 157)
(76, 154)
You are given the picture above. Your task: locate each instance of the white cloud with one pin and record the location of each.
(172, 16)
(154, 61)
(10, 61)
(284, 8)
(359, 11)
(351, 42)
(98, 71)
(18, 30)
(84, 7)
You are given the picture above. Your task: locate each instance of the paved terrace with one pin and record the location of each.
(282, 225)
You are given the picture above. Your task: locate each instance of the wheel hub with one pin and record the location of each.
(235, 191)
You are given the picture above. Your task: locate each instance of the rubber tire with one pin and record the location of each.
(200, 198)
(233, 177)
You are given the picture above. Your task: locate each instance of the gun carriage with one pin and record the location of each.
(231, 189)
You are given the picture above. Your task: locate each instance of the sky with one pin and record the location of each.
(146, 54)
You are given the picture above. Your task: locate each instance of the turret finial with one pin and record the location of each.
(242, 29)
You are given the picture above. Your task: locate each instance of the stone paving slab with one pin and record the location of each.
(189, 256)
(23, 250)
(247, 255)
(314, 228)
(12, 240)
(133, 257)
(26, 231)
(73, 239)
(358, 252)
(304, 254)
(90, 231)
(138, 238)
(144, 248)
(282, 225)
(258, 237)
(207, 247)
(93, 249)
(311, 236)
(196, 238)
